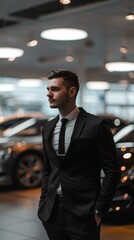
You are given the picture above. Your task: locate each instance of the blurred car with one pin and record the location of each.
(9, 121)
(21, 156)
(124, 196)
(21, 159)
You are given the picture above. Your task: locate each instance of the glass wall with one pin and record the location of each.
(117, 100)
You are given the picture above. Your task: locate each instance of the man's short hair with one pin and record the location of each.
(71, 78)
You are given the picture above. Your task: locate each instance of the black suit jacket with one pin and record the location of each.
(91, 149)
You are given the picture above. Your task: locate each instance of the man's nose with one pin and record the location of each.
(49, 93)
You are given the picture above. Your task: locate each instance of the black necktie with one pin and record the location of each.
(61, 149)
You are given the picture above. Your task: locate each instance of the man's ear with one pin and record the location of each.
(72, 92)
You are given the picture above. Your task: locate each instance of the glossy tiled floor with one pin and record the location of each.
(19, 221)
(18, 215)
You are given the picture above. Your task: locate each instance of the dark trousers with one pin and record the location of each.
(63, 226)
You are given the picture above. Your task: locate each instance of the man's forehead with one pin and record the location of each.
(55, 82)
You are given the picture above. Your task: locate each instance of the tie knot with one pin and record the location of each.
(64, 121)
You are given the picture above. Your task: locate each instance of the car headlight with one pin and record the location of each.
(128, 174)
(5, 153)
(131, 173)
(2, 153)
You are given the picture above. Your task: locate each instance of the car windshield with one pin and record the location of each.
(11, 123)
(30, 127)
(125, 134)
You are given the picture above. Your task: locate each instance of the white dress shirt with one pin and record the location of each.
(72, 116)
(68, 132)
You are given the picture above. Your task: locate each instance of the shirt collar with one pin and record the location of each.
(72, 115)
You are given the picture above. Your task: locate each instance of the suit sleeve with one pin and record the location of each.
(46, 169)
(111, 167)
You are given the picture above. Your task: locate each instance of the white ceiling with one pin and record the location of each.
(103, 20)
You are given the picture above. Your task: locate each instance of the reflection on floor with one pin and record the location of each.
(19, 221)
(18, 215)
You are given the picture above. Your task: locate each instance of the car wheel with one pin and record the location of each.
(28, 170)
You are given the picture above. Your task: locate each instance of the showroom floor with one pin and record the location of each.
(18, 218)
(19, 221)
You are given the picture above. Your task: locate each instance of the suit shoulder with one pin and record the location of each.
(52, 120)
(95, 118)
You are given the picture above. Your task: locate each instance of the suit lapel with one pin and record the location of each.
(80, 122)
(48, 137)
(50, 127)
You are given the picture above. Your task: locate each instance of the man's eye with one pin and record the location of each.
(55, 89)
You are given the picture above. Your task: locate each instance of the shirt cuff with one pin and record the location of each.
(98, 213)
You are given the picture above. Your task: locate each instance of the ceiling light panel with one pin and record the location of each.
(119, 66)
(64, 34)
(65, 2)
(10, 52)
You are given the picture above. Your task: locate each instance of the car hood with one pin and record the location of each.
(11, 141)
(4, 142)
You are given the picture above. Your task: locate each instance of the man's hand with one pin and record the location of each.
(97, 219)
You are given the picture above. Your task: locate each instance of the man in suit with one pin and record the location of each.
(73, 200)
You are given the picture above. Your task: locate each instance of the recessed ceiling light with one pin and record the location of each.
(65, 2)
(9, 52)
(130, 16)
(123, 66)
(69, 58)
(32, 43)
(97, 85)
(64, 34)
(123, 49)
(11, 59)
